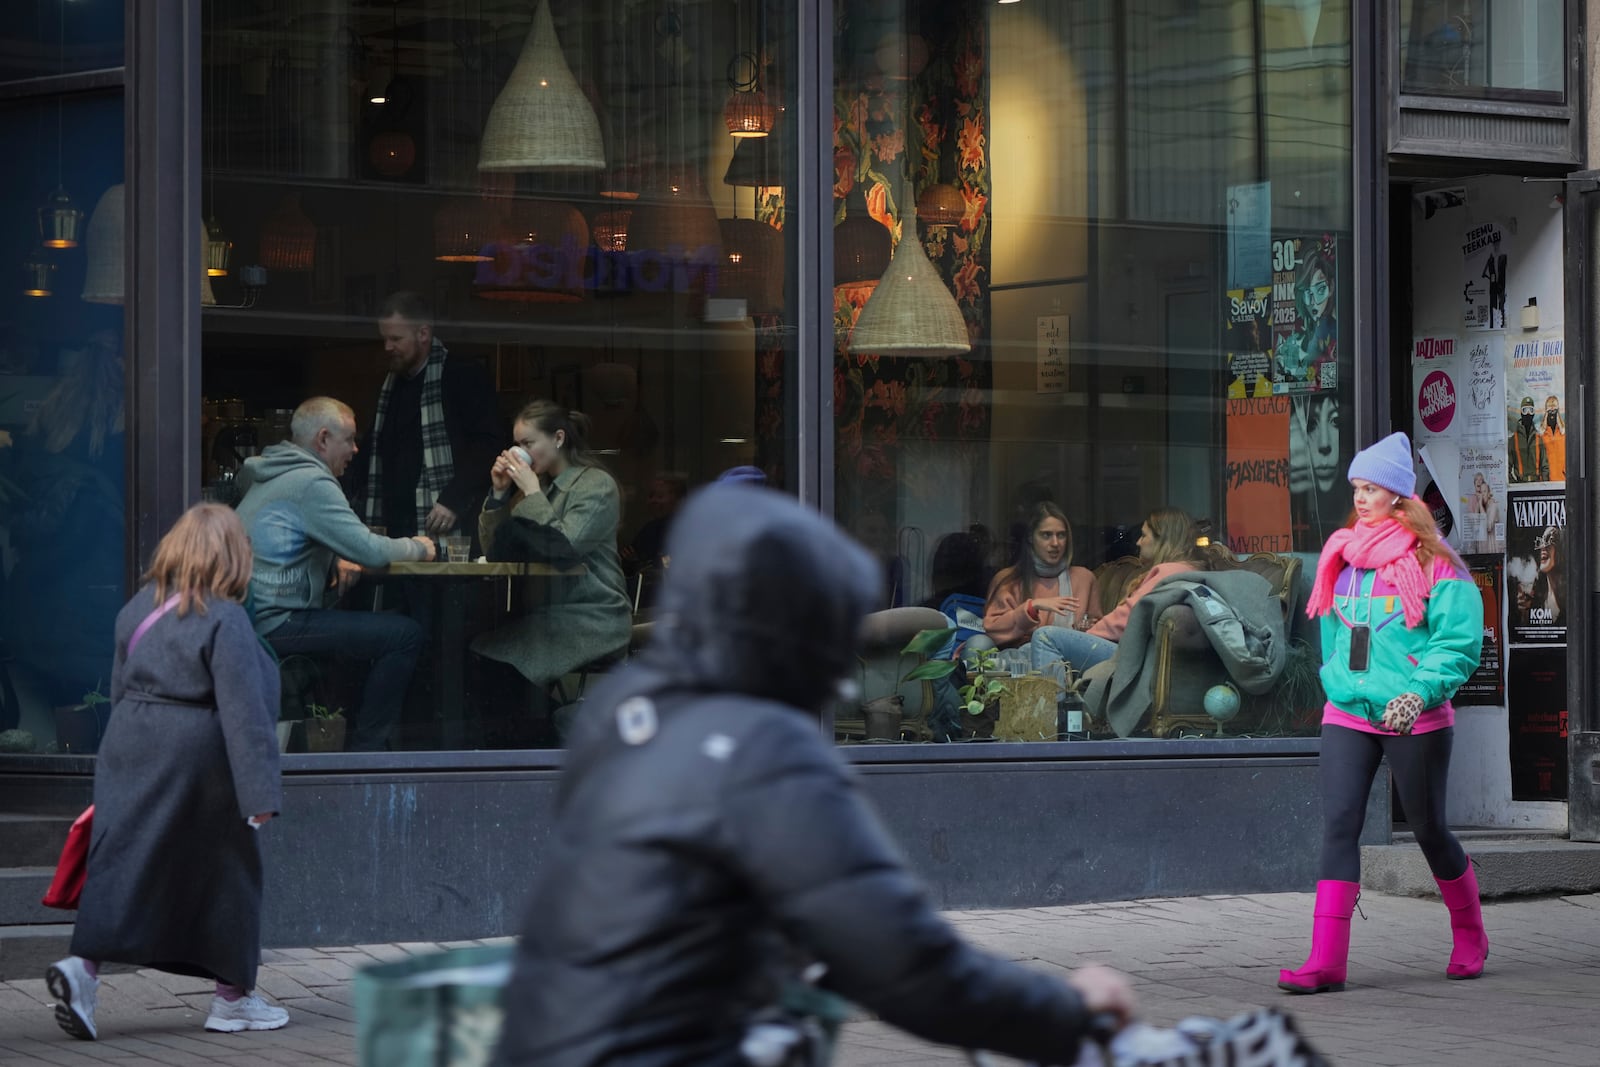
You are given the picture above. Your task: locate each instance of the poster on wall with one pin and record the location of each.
(1435, 375)
(1486, 685)
(1051, 353)
(1536, 443)
(1247, 331)
(1483, 255)
(1250, 236)
(1438, 466)
(1257, 475)
(1319, 495)
(1481, 409)
(1536, 567)
(1536, 695)
(1482, 496)
(1305, 321)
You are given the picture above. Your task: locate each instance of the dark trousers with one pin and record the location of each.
(1420, 764)
(390, 643)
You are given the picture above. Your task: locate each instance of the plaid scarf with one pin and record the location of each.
(438, 465)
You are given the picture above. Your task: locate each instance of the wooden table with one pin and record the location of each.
(452, 666)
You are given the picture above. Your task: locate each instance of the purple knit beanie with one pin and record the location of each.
(1387, 463)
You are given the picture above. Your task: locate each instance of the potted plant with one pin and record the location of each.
(324, 729)
(980, 696)
(79, 726)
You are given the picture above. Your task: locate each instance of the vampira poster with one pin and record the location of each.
(1536, 566)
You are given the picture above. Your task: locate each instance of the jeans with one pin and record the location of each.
(389, 642)
(1082, 650)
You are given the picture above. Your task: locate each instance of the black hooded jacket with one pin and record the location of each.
(702, 820)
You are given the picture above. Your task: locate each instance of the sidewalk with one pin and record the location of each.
(1207, 955)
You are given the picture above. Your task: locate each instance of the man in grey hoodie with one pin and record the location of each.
(308, 544)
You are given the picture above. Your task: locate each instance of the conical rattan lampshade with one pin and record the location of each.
(102, 278)
(911, 313)
(288, 237)
(675, 214)
(541, 120)
(751, 267)
(757, 161)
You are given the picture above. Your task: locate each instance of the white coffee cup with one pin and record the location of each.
(523, 453)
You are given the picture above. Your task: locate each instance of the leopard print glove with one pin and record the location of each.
(1400, 714)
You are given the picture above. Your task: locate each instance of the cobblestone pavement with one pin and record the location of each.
(1202, 955)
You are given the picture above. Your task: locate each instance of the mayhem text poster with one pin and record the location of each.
(1486, 685)
(1536, 538)
(1257, 475)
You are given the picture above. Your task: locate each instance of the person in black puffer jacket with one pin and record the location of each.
(704, 828)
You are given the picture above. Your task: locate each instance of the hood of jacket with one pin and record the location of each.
(278, 460)
(762, 596)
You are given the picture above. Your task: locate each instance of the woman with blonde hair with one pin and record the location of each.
(186, 774)
(1402, 628)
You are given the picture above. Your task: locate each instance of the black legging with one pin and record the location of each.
(1420, 764)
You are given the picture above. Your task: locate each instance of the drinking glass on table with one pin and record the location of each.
(458, 548)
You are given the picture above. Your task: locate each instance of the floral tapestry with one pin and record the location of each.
(882, 402)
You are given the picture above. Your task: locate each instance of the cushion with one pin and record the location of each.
(893, 627)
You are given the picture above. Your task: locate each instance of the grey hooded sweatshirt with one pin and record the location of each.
(299, 522)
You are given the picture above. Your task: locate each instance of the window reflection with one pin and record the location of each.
(1483, 48)
(486, 227)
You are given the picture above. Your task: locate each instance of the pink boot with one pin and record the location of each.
(1466, 925)
(1324, 972)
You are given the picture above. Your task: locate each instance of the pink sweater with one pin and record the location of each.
(1005, 616)
(1113, 624)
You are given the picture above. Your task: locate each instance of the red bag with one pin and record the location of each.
(67, 885)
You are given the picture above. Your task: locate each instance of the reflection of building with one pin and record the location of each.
(1099, 174)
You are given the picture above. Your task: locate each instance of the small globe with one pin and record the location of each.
(1222, 702)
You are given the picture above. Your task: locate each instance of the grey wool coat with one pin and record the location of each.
(583, 617)
(190, 752)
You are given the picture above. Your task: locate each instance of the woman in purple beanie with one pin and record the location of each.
(1402, 628)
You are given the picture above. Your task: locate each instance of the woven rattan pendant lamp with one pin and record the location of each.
(541, 120)
(911, 312)
(102, 276)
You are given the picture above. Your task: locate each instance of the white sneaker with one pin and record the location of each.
(74, 989)
(246, 1013)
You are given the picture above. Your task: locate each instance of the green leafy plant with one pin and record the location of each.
(320, 711)
(94, 698)
(982, 665)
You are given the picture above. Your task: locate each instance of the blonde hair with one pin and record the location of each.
(206, 553)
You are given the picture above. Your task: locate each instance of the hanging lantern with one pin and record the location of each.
(676, 216)
(757, 161)
(218, 250)
(941, 204)
(288, 237)
(751, 268)
(208, 298)
(610, 230)
(102, 278)
(463, 229)
(748, 113)
(541, 120)
(543, 260)
(58, 221)
(861, 246)
(912, 312)
(36, 274)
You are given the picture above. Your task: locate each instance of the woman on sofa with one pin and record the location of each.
(1041, 589)
(1167, 546)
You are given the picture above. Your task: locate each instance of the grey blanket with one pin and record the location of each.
(1237, 611)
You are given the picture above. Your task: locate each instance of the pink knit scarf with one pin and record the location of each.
(1388, 548)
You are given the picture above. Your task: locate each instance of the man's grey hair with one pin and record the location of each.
(315, 415)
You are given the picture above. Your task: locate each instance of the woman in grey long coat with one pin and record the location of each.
(559, 487)
(186, 775)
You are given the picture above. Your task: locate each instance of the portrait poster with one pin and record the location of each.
(1305, 315)
(1536, 567)
(1484, 250)
(1535, 386)
(1257, 475)
(1536, 697)
(1435, 379)
(1051, 353)
(1247, 332)
(1482, 495)
(1486, 685)
(1481, 408)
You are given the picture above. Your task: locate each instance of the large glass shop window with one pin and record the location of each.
(474, 227)
(1091, 264)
